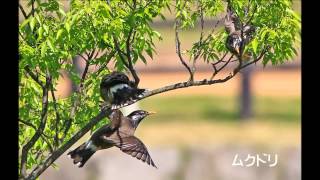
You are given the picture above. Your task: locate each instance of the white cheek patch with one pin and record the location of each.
(91, 146)
(115, 88)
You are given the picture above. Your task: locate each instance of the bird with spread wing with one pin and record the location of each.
(119, 133)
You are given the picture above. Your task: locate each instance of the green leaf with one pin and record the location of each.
(50, 45)
(46, 28)
(40, 33)
(37, 18)
(178, 14)
(32, 23)
(142, 58)
(255, 45)
(149, 52)
(43, 49)
(25, 22)
(60, 31)
(67, 26)
(62, 12)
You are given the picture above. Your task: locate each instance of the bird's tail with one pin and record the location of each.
(81, 154)
(126, 96)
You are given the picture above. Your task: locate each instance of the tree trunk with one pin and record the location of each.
(245, 94)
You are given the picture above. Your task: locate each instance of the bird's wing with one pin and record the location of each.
(134, 147)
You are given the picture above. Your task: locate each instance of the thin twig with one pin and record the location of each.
(33, 76)
(108, 58)
(32, 7)
(27, 123)
(127, 3)
(77, 100)
(39, 152)
(85, 59)
(120, 52)
(216, 71)
(23, 11)
(131, 68)
(178, 51)
(67, 124)
(256, 60)
(95, 56)
(43, 136)
(56, 139)
(193, 69)
(221, 59)
(251, 17)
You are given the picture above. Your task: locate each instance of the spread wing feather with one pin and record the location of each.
(134, 147)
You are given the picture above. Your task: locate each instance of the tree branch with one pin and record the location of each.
(23, 11)
(193, 69)
(76, 101)
(55, 155)
(85, 59)
(120, 52)
(43, 136)
(56, 138)
(108, 58)
(33, 76)
(216, 71)
(105, 112)
(131, 68)
(256, 60)
(39, 131)
(66, 125)
(251, 17)
(27, 123)
(32, 8)
(178, 51)
(221, 59)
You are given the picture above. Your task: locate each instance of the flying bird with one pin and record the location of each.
(118, 133)
(117, 90)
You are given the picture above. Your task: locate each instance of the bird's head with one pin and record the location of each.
(233, 42)
(114, 78)
(137, 116)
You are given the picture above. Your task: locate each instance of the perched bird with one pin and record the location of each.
(233, 28)
(233, 42)
(119, 133)
(234, 39)
(117, 90)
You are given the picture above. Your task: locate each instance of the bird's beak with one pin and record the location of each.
(151, 112)
(238, 50)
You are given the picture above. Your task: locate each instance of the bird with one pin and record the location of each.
(235, 39)
(117, 90)
(119, 133)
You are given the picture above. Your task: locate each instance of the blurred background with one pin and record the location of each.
(198, 131)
